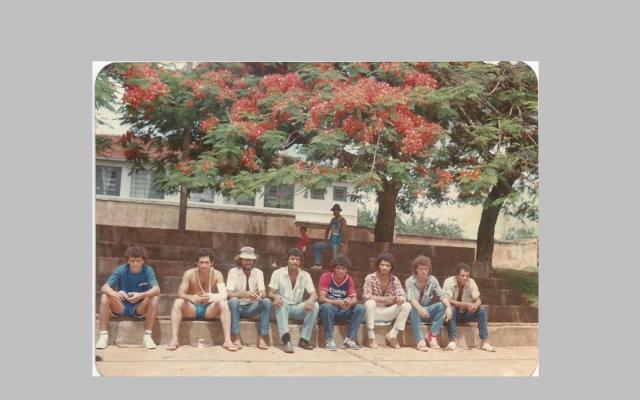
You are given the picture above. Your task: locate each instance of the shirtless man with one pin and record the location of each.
(202, 295)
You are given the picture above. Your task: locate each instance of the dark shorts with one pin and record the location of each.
(129, 311)
(200, 310)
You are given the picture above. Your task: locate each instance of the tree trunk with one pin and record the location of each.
(487, 227)
(184, 191)
(385, 221)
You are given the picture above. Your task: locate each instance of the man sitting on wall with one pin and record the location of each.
(287, 288)
(136, 296)
(339, 302)
(464, 295)
(247, 296)
(194, 301)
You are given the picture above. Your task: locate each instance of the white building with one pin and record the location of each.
(115, 179)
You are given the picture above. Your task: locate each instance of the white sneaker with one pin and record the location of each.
(148, 341)
(451, 346)
(103, 341)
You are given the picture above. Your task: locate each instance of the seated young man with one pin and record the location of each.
(338, 300)
(385, 301)
(286, 288)
(421, 286)
(202, 295)
(247, 297)
(131, 290)
(464, 296)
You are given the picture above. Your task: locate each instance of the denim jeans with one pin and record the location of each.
(330, 313)
(436, 317)
(298, 313)
(249, 310)
(481, 315)
(317, 251)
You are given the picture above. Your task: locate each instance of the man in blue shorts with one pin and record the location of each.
(136, 295)
(202, 295)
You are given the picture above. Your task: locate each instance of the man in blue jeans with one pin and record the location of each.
(247, 296)
(287, 288)
(338, 300)
(335, 234)
(464, 296)
(421, 286)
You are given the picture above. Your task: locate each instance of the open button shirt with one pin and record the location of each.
(281, 282)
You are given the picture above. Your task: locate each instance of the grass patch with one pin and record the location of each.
(525, 282)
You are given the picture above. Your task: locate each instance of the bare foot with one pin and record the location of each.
(230, 347)
(262, 345)
(172, 346)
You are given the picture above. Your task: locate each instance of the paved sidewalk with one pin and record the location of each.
(250, 361)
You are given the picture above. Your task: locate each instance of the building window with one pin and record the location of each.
(340, 193)
(244, 202)
(206, 196)
(318, 194)
(279, 196)
(108, 180)
(142, 186)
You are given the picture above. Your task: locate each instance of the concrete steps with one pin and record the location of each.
(497, 313)
(128, 332)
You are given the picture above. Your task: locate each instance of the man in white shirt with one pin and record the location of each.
(464, 296)
(247, 296)
(286, 288)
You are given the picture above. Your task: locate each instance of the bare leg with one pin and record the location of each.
(108, 304)
(179, 308)
(221, 309)
(149, 308)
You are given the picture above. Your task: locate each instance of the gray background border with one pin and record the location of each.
(588, 81)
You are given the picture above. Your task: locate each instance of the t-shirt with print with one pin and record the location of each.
(127, 281)
(337, 291)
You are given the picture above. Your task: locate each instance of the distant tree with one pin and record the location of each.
(521, 233)
(490, 149)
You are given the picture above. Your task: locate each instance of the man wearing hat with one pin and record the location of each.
(335, 232)
(247, 296)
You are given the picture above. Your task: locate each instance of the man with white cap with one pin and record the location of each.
(247, 296)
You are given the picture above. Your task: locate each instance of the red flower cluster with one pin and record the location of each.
(278, 83)
(248, 105)
(195, 87)
(208, 124)
(248, 159)
(184, 167)
(417, 132)
(444, 178)
(471, 174)
(142, 86)
(420, 79)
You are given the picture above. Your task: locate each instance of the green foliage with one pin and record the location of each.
(526, 282)
(521, 233)
(414, 225)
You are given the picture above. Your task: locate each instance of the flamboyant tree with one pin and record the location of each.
(491, 147)
(355, 122)
(170, 109)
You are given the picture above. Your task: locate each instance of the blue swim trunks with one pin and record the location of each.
(129, 311)
(200, 310)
